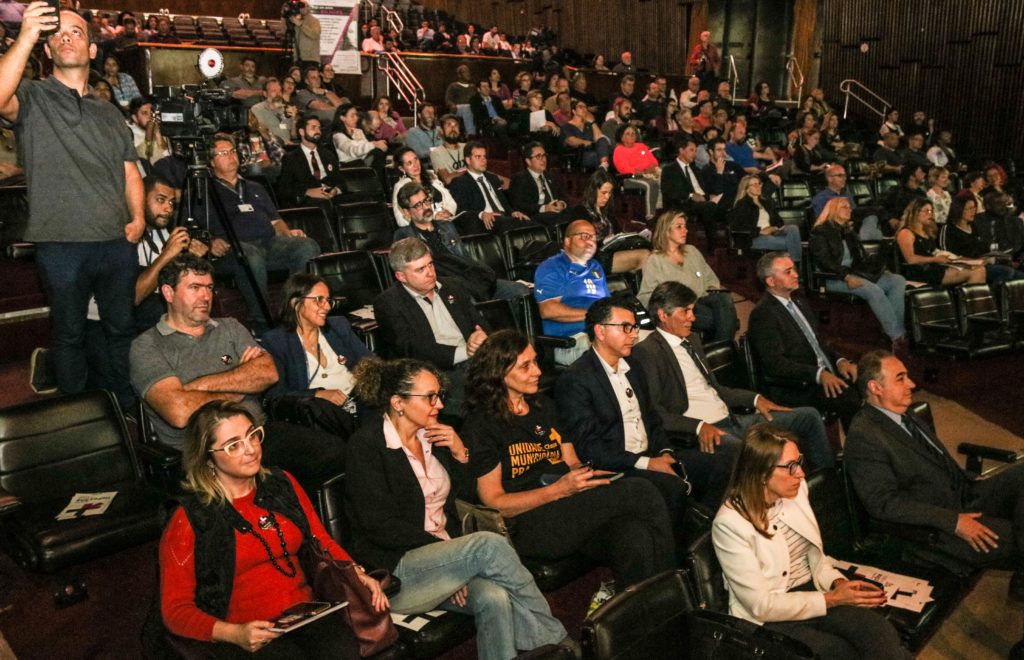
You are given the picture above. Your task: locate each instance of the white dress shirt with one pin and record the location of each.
(633, 427)
(704, 402)
(446, 331)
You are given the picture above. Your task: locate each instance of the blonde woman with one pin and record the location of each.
(917, 239)
(938, 181)
(757, 216)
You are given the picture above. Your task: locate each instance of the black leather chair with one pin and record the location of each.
(861, 192)
(981, 320)
(515, 240)
(1012, 300)
(643, 622)
(54, 448)
(359, 184)
(934, 326)
(364, 225)
(796, 194)
(351, 274)
(314, 222)
(726, 363)
(487, 249)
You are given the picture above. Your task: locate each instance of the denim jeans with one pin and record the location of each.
(71, 273)
(788, 240)
(509, 610)
(885, 298)
(275, 253)
(715, 317)
(804, 422)
(510, 290)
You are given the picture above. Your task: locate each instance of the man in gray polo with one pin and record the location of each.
(79, 145)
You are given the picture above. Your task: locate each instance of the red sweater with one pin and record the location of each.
(260, 591)
(630, 160)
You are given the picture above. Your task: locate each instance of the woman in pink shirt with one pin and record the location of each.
(635, 160)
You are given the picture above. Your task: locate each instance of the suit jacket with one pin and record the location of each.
(664, 380)
(468, 196)
(290, 357)
(296, 177)
(480, 115)
(523, 194)
(898, 479)
(384, 500)
(676, 188)
(780, 347)
(405, 331)
(593, 420)
(756, 567)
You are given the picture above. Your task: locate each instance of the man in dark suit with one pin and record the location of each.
(606, 408)
(428, 319)
(798, 366)
(533, 192)
(904, 476)
(488, 113)
(695, 409)
(483, 206)
(682, 189)
(309, 173)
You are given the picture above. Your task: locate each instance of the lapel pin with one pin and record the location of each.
(226, 359)
(451, 300)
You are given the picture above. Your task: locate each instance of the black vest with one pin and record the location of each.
(214, 526)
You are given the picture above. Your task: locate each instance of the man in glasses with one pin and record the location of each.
(566, 285)
(189, 359)
(533, 192)
(701, 415)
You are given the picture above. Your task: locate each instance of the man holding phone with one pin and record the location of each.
(84, 236)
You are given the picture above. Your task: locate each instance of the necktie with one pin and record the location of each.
(547, 191)
(918, 434)
(543, 195)
(805, 328)
(693, 182)
(491, 202)
(313, 164)
(697, 361)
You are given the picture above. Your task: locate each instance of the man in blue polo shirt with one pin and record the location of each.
(744, 155)
(566, 285)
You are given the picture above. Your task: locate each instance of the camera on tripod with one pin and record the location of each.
(292, 8)
(190, 112)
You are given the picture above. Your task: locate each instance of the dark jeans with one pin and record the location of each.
(845, 405)
(327, 638)
(846, 632)
(1000, 499)
(71, 273)
(311, 456)
(624, 525)
(715, 317)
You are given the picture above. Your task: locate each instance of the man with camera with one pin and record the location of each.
(78, 143)
(307, 30)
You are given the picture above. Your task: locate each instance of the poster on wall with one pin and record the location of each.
(339, 33)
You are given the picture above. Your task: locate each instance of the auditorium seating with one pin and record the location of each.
(314, 222)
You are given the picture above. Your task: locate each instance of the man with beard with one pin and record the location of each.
(425, 135)
(447, 160)
(72, 139)
(149, 142)
(246, 87)
(308, 173)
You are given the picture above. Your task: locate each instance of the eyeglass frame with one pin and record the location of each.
(793, 465)
(224, 152)
(585, 235)
(241, 442)
(625, 326)
(431, 397)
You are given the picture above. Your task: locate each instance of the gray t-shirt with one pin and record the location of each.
(162, 352)
(237, 84)
(74, 150)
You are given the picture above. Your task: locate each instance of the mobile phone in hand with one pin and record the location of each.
(55, 5)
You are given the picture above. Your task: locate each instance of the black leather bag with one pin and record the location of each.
(715, 636)
(869, 268)
(312, 412)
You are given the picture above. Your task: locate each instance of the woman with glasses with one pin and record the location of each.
(315, 353)
(769, 545)
(403, 474)
(526, 468)
(240, 529)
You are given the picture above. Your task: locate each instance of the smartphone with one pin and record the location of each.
(55, 4)
(613, 477)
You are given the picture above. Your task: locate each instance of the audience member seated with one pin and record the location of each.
(392, 129)
(675, 261)
(189, 359)
(942, 153)
(352, 144)
(1000, 226)
(761, 104)
(634, 160)
(447, 160)
(938, 195)
(442, 203)
(122, 84)
(542, 126)
(596, 208)
(831, 138)
(721, 177)
(524, 85)
(579, 92)
(704, 115)
(315, 98)
(755, 215)
(309, 174)
(412, 325)
(809, 157)
(150, 143)
(268, 242)
(240, 530)
(652, 105)
(745, 156)
(891, 124)
(450, 259)
(688, 97)
(835, 186)
(922, 259)
(426, 134)
(526, 467)
(374, 42)
(791, 353)
(533, 192)
(621, 115)
(479, 194)
(665, 124)
(959, 237)
(271, 116)
(488, 111)
(561, 108)
(500, 89)
(767, 521)
(404, 472)
(625, 64)
(444, 41)
(914, 154)
(904, 476)
(315, 354)
(581, 136)
(896, 200)
(246, 87)
(608, 412)
(892, 161)
(331, 81)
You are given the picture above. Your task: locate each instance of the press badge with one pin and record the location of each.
(246, 208)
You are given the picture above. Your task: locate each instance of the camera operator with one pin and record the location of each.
(307, 31)
(84, 236)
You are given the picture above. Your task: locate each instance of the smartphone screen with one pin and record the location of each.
(56, 9)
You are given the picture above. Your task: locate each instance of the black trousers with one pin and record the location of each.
(469, 223)
(311, 456)
(676, 494)
(846, 632)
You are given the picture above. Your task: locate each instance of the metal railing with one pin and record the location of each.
(398, 73)
(794, 80)
(387, 16)
(857, 90)
(734, 76)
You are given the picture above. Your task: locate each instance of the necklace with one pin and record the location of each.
(263, 523)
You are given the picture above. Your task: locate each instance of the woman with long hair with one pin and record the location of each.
(837, 249)
(919, 247)
(351, 143)
(755, 215)
(596, 208)
(409, 165)
(241, 529)
(778, 575)
(121, 83)
(673, 259)
(958, 236)
(392, 129)
(404, 471)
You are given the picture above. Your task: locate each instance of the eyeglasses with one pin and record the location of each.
(320, 301)
(225, 152)
(540, 155)
(793, 466)
(628, 328)
(251, 441)
(421, 205)
(431, 397)
(585, 236)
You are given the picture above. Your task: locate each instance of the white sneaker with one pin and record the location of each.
(600, 597)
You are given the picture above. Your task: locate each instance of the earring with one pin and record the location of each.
(401, 412)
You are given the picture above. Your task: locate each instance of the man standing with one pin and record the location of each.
(483, 205)
(79, 143)
(307, 35)
(308, 173)
(246, 86)
(800, 368)
(705, 62)
(904, 476)
(425, 135)
(533, 192)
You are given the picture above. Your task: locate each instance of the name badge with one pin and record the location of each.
(246, 208)
(283, 126)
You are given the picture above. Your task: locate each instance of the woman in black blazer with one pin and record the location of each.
(756, 217)
(403, 474)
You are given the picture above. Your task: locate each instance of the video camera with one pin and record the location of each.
(190, 112)
(292, 8)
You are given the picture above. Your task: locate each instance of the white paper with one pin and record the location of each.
(365, 312)
(87, 504)
(905, 592)
(416, 622)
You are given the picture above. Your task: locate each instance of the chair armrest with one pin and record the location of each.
(21, 250)
(938, 325)
(158, 455)
(555, 342)
(8, 503)
(977, 453)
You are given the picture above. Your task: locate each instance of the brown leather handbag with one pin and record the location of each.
(337, 581)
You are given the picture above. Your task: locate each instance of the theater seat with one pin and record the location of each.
(54, 448)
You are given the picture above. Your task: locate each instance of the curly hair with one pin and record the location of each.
(485, 379)
(378, 380)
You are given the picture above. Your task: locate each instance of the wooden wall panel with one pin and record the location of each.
(255, 8)
(962, 62)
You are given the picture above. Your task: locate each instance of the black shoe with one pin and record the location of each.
(41, 379)
(1016, 591)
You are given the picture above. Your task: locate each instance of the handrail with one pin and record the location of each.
(388, 16)
(401, 76)
(847, 87)
(734, 75)
(794, 79)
